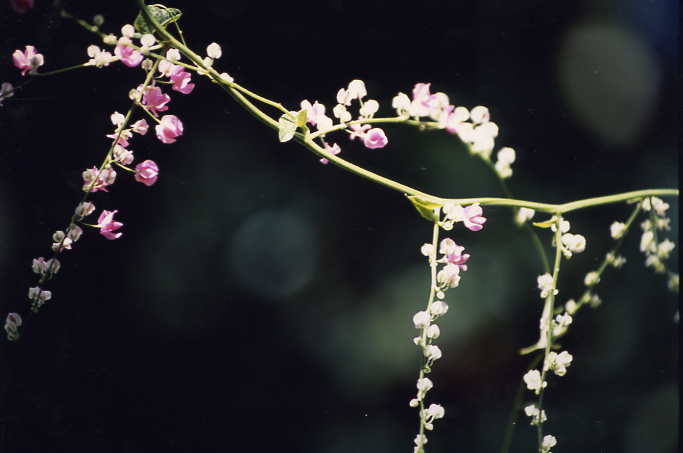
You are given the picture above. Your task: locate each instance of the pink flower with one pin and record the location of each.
(106, 178)
(314, 113)
(28, 60)
(123, 137)
(122, 155)
(155, 100)
(334, 150)
(21, 6)
(181, 80)
(107, 225)
(140, 127)
(147, 172)
(129, 57)
(472, 217)
(358, 130)
(169, 129)
(375, 138)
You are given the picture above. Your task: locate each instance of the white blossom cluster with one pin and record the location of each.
(656, 251)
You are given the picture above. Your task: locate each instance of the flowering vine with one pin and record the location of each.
(150, 46)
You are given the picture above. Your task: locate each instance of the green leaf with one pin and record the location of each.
(287, 127)
(301, 117)
(546, 223)
(424, 207)
(162, 14)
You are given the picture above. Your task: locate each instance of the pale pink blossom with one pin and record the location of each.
(21, 6)
(107, 225)
(181, 80)
(358, 131)
(375, 138)
(155, 100)
(471, 216)
(169, 129)
(314, 112)
(453, 253)
(92, 181)
(122, 155)
(28, 60)
(140, 127)
(147, 172)
(122, 139)
(12, 324)
(333, 149)
(129, 57)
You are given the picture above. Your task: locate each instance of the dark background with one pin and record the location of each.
(258, 300)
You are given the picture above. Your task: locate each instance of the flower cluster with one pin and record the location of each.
(656, 251)
(446, 271)
(473, 127)
(371, 137)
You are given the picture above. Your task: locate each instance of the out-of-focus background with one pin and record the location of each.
(259, 300)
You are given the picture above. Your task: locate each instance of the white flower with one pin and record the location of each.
(173, 55)
(549, 442)
(435, 411)
(424, 385)
(449, 275)
(647, 242)
(576, 243)
(369, 108)
(545, 284)
(421, 319)
(506, 154)
(99, 57)
(414, 402)
(340, 112)
(571, 306)
(558, 362)
(564, 319)
(595, 301)
(479, 114)
(214, 50)
(536, 415)
(357, 89)
(438, 308)
(592, 278)
(117, 118)
(533, 381)
(128, 31)
(225, 76)
(564, 226)
(401, 102)
(672, 284)
(503, 169)
(618, 261)
(433, 332)
(109, 39)
(432, 352)
(657, 204)
(420, 440)
(147, 40)
(523, 215)
(427, 249)
(617, 230)
(664, 249)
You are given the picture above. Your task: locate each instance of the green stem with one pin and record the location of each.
(58, 71)
(237, 91)
(548, 311)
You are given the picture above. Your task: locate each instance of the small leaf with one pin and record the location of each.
(162, 14)
(546, 223)
(424, 207)
(287, 127)
(301, 117)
